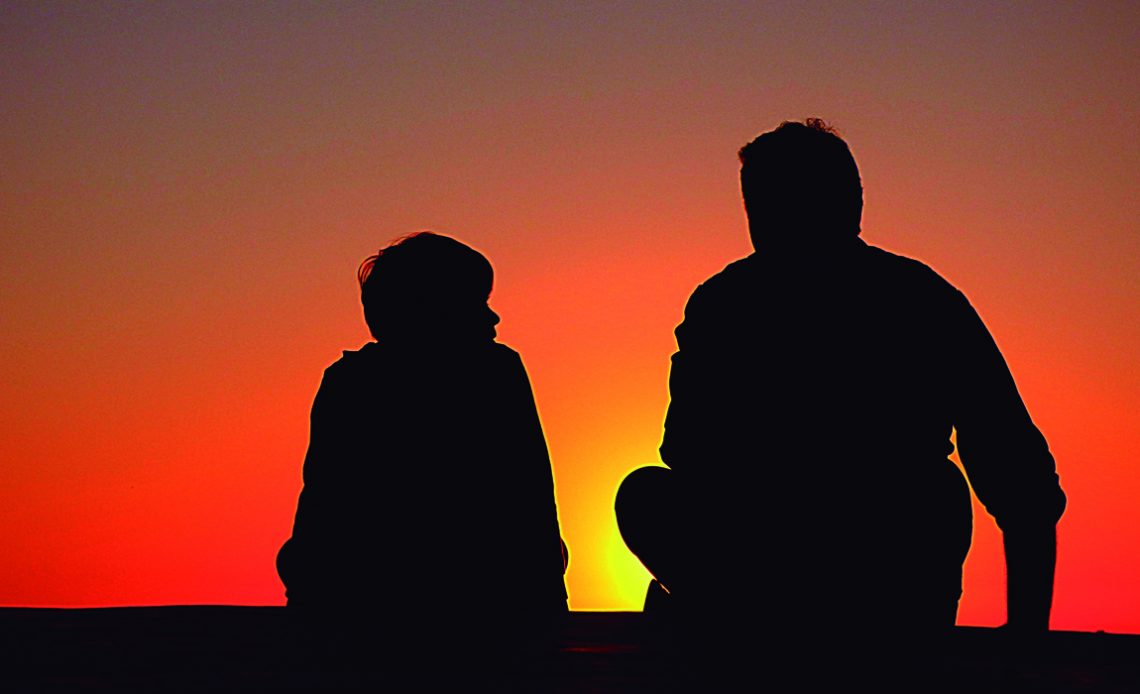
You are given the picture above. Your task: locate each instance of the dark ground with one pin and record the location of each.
(211, 648)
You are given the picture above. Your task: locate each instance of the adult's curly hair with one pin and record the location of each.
(799, 177)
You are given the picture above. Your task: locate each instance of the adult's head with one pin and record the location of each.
(801, 186)
(426, 286)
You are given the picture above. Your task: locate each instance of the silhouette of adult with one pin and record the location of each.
(428, 502)
(814, 392)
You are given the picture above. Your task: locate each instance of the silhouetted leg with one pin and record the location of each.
(931, 605)
(286, 567)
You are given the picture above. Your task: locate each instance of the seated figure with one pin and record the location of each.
(814, 393)
(428, 499)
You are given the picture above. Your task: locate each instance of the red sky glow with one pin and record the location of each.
(188, 188)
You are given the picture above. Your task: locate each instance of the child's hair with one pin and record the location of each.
(422, 282)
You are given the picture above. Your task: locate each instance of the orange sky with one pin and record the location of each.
(188, 189)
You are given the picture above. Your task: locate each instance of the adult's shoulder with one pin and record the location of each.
(911, 285)
(735, 273)
(902, 268)
(732, 281)
(714, 309)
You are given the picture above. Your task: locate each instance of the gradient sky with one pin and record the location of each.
(186, 190)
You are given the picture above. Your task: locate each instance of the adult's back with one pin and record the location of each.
(814, 392)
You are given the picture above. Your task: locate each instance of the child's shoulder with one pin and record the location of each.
(374, 354)
(503, 352)
(496, 354)
(353, 361)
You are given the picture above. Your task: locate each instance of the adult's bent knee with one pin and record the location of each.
(641, 491)
(646, 516)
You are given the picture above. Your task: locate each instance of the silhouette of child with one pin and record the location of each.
(428, 492)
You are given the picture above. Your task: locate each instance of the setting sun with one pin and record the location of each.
(189, 190)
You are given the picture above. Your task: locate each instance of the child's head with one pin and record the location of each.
(427, 286)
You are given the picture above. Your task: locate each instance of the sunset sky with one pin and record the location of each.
(187, 189)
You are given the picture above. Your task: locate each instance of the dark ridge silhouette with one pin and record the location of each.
(814, 391)
(428, 504)
(216, 648)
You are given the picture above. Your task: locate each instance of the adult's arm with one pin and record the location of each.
(699, 422)
(1030, 558)
(1009, 465)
